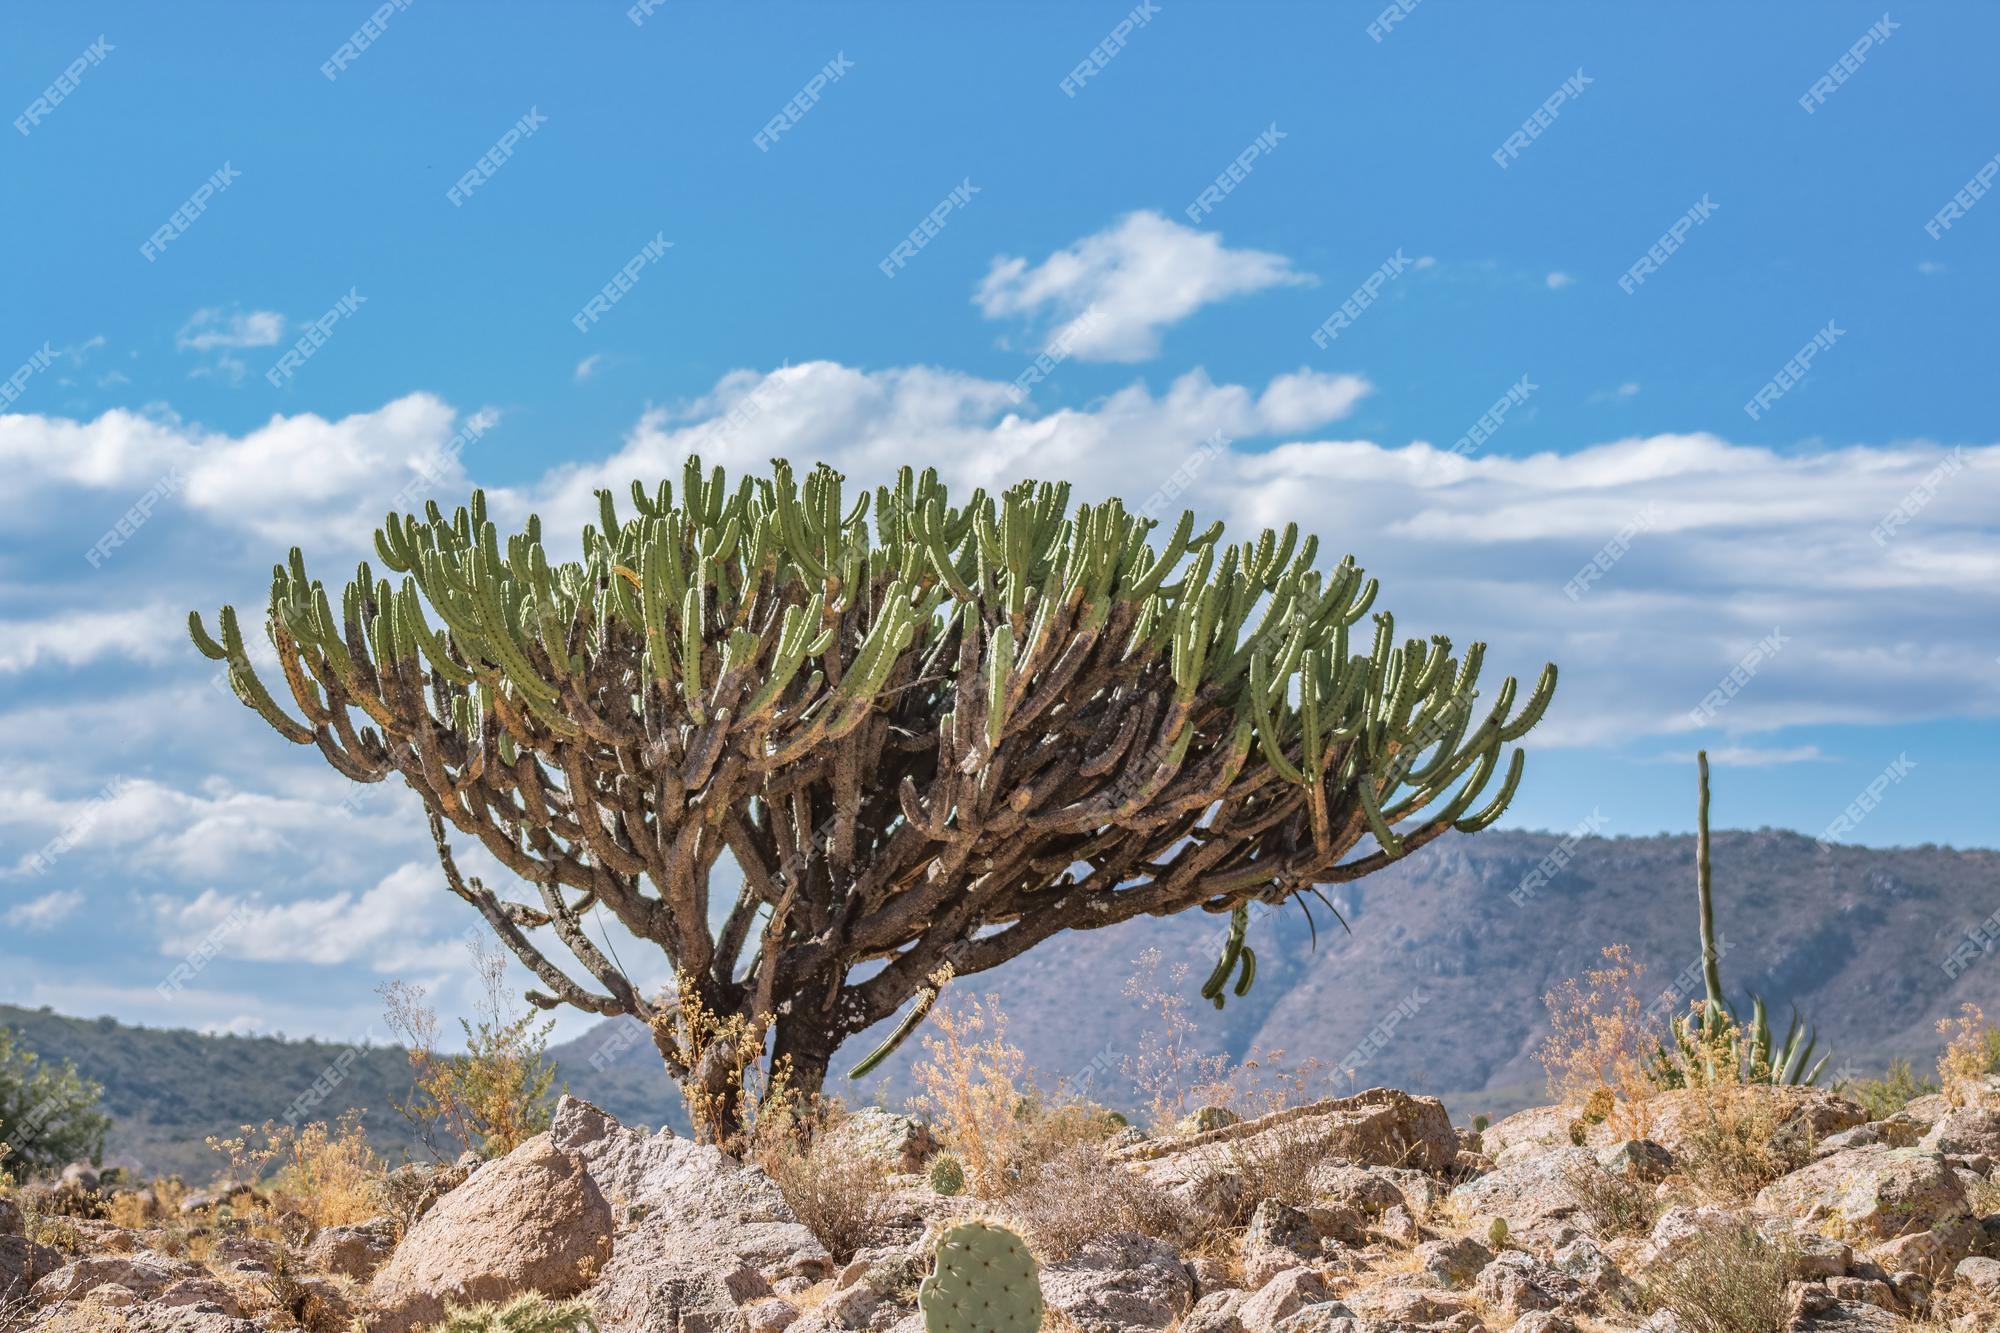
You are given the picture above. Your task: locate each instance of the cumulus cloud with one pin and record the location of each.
(399, 925)
(1137, 277)
(212, 328)
(75, 637)
(44, 913)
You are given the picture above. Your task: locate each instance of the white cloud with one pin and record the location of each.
(46, 912)
(1306, 399)
(1749, 756)
(1930, 267)
(211, 328)
(1426, 261)
(1558, 281)
(76, 637)
(588, 366)
(300, 479)
(399, 925)
(1139, 276)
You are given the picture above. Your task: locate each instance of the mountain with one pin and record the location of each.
(1440, 955)
(1445, 959)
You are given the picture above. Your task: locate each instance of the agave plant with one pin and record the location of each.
(1708, 1037)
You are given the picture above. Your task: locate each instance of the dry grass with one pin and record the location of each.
(1883, 1097)
(1738, 1144)
(1618, 1206)
(842, 1197)
(1731, 1280)
(1601, 1038)
(1176, 1077)
(495, 1096)
(972, 1079)
(1971, 1052)
(1075, 1197)
(328, 1176)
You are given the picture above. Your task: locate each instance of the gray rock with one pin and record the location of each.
(1325, 1317)
(531, 1221)
(899, 1142)
(1279, 1237)
(355, 1251)
(689, 1197)
(1118, 1283)
(1870, 1193)
(1455, 1262)
(1637, 1159)
(22, 1264)
(1283, 1296)
(1217, 1312)
(1980, 1274)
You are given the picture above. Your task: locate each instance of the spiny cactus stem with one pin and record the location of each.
(1711, 968)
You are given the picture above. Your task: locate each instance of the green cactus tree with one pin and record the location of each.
(931, 735)
(984, 1281)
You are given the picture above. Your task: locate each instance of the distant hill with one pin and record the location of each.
(168, 1090)
(1855, 938)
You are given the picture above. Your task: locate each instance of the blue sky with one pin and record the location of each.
(772, 296)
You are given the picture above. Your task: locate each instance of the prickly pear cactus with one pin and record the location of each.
(985, 1281)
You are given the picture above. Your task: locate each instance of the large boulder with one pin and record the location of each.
(1966, 1131)
(1120, 1283)
(1676, 1120)
(22, 1264)
(655, 1281)
(1217, 1172)
(532, 1221)
(688, 1197)
(355, 1251)
(899, 1142)
(1869, 1194)
(1534, 1194)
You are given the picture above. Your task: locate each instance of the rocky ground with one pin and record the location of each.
(1770, 1209)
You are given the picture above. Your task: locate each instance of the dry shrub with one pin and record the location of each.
(308, 1307)
(971, 1078)
(329, 1176)
(843, 1197)
(1176, 1077)
(1728, 1280)
(495, 1096)
(1739, 1143)
(1617, 1205)
(1169, 1069)
(1971, 1053)
(1078, 1195)
(1600, 1040)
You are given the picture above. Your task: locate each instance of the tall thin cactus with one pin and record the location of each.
(1708, 1042)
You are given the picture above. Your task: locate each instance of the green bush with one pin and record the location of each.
(48, 1115)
